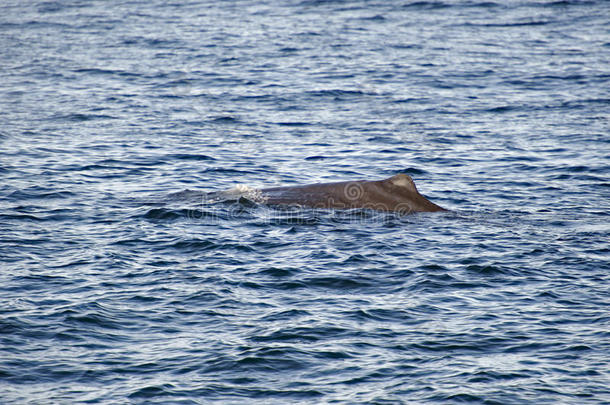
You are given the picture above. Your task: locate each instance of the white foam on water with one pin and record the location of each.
(242, 190)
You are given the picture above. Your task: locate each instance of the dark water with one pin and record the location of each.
(117, 287)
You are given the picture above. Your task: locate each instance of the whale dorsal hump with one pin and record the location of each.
(404, 181)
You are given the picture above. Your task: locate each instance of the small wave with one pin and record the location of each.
(80, 117)
(513, 24)
(562, 3)
(337, 94)
(503, 109)
(189, 156)
(35, 25)
(278, 272)
(96, 71)
(438, 5)
(155, 391)
(377, 17)
(486, 270)
(226, 170)
(427, 5)
(339, 283)
(20, 217)
(302, 334)
(37, 192)
(196, 244)
(225, 119)
(293, 124)
(166, 214)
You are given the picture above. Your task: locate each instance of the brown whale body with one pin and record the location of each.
(398, 194)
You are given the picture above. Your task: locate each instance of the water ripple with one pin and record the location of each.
(123, 280)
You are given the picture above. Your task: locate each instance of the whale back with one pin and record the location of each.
(397, 193)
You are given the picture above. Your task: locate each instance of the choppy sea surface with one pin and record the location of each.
(116, 287)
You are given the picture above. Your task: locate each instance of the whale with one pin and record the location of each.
(395, 194)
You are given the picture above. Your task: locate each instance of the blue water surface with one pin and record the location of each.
(117, 287)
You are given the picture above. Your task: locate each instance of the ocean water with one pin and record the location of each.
(117, 286)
